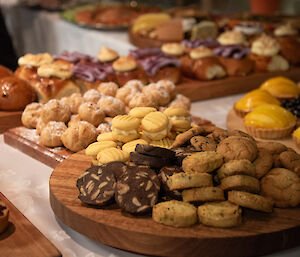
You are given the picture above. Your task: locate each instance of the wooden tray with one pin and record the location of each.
(200, 90)
(21, 238)
(259, 234)
(235, 122)
(9, 120)
(27, 141)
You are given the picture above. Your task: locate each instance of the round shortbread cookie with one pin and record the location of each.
(202, 162)
(251, 201)
(125, 122)
(94, 148)
(130, 146)
(155, 122)
(241, 183)
(189, 180)
(175, 213)
(220, 214)
(4, 214)
(141, 112)
(236, 167)
(203, 194)
(112, 154)
(108, 136)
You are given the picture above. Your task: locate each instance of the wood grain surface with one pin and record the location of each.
(22, 239)
(27, 141)
(235, 122)
(9, 120)
(259, 234)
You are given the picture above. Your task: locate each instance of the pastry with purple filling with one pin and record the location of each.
(4, 213)
(191, 44)
(235, 59)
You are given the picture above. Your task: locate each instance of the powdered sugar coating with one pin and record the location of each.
(141, 100)
(181, 101)
(51, 133)
(55, 110)
(111, 106)
(108, 88)
(158, 94)
(92, 113)
(92, 95)
(31, 114)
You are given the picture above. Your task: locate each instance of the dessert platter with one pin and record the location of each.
(18, 237)
(269, 112)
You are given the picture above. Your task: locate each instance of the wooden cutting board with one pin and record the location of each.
(259, 234)
(21, 238)
(235, 122)
(9, 120)
(27, 141)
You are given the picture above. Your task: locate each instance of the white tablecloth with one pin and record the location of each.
(25, 182)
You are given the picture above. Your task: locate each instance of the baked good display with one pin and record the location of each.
(4, 214)
(209, 187)
(5, 72)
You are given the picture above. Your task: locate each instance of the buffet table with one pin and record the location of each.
(25, 182)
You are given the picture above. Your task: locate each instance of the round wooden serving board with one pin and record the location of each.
(236, 122)
(259, 234)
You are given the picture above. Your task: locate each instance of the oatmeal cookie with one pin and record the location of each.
(272, 147)
(291, 161)
(203, 143)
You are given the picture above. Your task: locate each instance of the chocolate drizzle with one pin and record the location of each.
(209, 42)
(2, 208)
(75, 57)
(91, 72)
(232, 51)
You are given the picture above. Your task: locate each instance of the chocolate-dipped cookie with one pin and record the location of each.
(96, 186)
(155, 151)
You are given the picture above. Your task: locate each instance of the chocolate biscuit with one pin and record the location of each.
(147, 160)
(155, 151)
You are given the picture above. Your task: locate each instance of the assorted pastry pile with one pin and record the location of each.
(272, 111)
(4, 214)
(77, 120)
(206, 174)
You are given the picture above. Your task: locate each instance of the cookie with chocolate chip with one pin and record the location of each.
(96, 186)
(137, 191)
(203, 143)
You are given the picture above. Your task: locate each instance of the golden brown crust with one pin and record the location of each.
(5, 72)
(138, 73)
(237, 67)
(260, 62)
(167, 73)
(289, 48)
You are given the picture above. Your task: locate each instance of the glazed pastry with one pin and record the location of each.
(281, 88)
(269, 121)
(202, 64)
(253, 99)
(264, 53)
(235, 59)
(15, 93)
(288, 39)
(232, 37)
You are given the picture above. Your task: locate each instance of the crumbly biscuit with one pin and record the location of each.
(94, 148)
(202, 162)
(237, 148)
(203, 143)
(241, 182)
(182, 152)
(263, 163)
(251, 201)
(130, 146)
(272, 147)
(220, 214)
(175, 213)
(291, 161)
(203, 194)
(236, 167)
(189, 180)
(282, 186)
(112, 154)
(51, 133)
(182, 138)
(108, 136)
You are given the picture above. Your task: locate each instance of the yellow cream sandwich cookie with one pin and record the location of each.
(203, 194)
(108, 136)
(180, 118)
(94, 148)
(112, 154)
(220, 214)
(202, 162)
(251, 201)
(141, 112)
(236, 167)
(183, 180)
(241, 182)
(130, 146)
(156, 125)
(175, 213)
(125, 128)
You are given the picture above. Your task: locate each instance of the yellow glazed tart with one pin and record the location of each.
(269, 121)
(252, 100)
(281, 88)
(296, 137)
